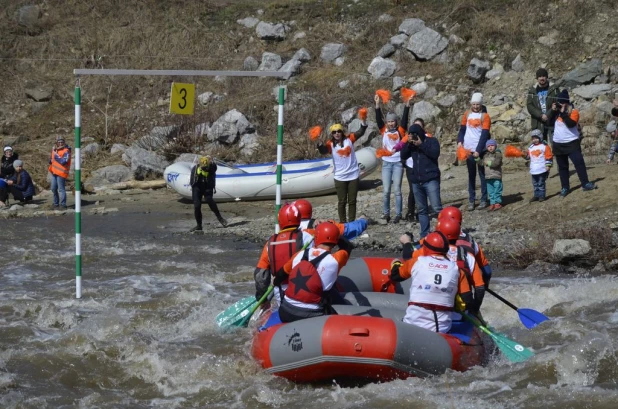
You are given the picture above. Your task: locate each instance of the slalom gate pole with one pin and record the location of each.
(78, 193)
(279, 155)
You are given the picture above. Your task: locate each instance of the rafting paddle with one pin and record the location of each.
(530, 318)
(239, 314)
(511, 349)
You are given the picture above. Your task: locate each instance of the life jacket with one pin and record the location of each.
(304, 282)
(282, 246)
(462, 263)
(467, 242)
(56, 168)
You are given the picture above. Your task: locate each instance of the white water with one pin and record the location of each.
(143, 335)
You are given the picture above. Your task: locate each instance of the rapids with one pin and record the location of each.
(143, 333)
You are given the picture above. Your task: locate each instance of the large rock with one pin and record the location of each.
(502, 133)
(447, 100)
(250, 64)
(420, 87)
(426, 44)
(302, 55)
(110, 174)
(271, 32)
(332, 51)
(400, 40)
(270, 62)
(585, 73)
(495, 72)
(91, 149)
(144, 164)
(28, 16)
(592, 91)
(117, 147)
(425, 110)
(518, 64)
(571, 248)
(249, 143)
(381, 68)
(292, 67)
(411, 26)
(477, 70)
(229, 128)
(398, 82)
(158, 137)
(386, 51)
(39, 94)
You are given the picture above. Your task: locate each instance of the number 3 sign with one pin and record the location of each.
(182, 98)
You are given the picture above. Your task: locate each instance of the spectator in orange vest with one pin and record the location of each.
(59, 166)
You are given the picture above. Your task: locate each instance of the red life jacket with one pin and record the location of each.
(462, 263)
(304, 283)
(281, 247)
(466, 241)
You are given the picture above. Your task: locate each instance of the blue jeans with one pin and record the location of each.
(423, 191)
(392, 172)
(57, 186)
(472, 168)
(538, 183)
(494, 190)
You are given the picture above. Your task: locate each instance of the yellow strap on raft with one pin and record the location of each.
(460, 305)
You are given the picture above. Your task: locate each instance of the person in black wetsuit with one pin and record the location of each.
(203, 183)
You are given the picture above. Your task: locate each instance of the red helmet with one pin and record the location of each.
(435, 243)
(452, 212)
(289, 216)
(449, 227)
(305, 208)
(326, 233)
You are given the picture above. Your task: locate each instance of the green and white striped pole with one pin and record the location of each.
(78, 193)
(279, 155)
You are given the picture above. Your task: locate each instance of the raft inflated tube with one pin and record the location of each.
(370, 274)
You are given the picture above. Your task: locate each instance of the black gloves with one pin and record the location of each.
(345, 245)
(280, 277)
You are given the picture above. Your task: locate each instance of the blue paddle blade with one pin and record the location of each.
(531, 318)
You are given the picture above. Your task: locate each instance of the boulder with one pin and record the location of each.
(477, 70)
(502, 133)
(425, 110)
(39, 94)
(495, 72)
(381, 68)
(584, 73)
(565, 249)
(117, 147)
(592, 91)
(420, 88)
(28, 16)
(331, 51)
(271, 32)
(348, 115)
(398, 82)
(386, 51)
(91, 149)
(229, 128)
(249, 143)
(248, 22)
(426, 44)
(411, 26)
(110, 174)
(144, 164)
(250, 64)
(204, 98)
(302, 55)
(518, 64)
(399, 41)
(292, 67)
(270, 62)
(447, 100)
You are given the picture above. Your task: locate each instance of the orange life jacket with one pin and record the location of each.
(56, 168)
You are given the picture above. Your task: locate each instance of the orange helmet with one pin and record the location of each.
(289, 216)
(435, 243)
(326, 233)
(304, 207)
(452, 212)
(449, 227)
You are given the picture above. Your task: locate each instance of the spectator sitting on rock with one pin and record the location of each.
(20, 184)
(473, 135)
(567, 142)
(541, 96)
(613, 130)
(7, 170)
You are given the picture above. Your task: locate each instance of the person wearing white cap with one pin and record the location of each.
(473, 135)
(7, 170)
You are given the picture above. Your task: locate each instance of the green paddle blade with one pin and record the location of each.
(511, 349)
(233, 315)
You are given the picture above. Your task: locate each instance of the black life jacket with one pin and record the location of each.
(304, 283)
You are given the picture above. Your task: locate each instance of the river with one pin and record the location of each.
(143, 334)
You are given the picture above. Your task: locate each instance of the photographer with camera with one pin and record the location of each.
(420, 159)
(540, 98)
(567, 142)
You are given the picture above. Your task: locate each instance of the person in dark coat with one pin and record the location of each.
(203, 183)
(7, 170)
(20, 184)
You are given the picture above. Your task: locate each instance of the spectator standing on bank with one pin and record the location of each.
(7, 170)
(59, 167)
(540, 98)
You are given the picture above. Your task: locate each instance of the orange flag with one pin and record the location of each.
(512, 152)
(407, 93)
(362, 113)
(384, 95)
(462, 153)
(315, 132)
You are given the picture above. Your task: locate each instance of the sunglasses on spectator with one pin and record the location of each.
(334, 132)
